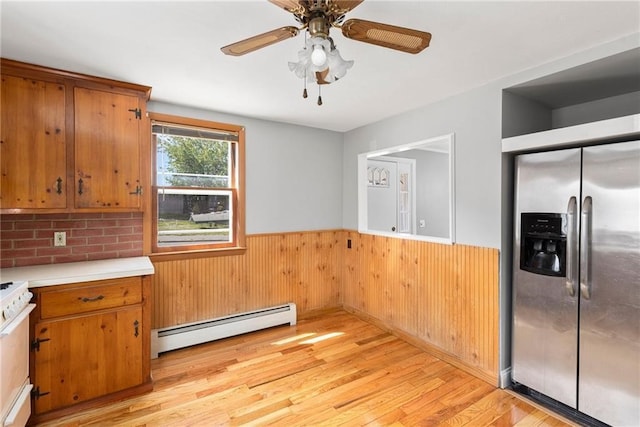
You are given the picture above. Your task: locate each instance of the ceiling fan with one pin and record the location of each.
(320, 61)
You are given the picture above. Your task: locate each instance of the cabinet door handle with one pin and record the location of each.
(136, 324)
(37, 394)
(137, 112)
(91, 299)
(80, 185)
(59, 185)
(35, 344)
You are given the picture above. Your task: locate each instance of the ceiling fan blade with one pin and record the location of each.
(399, 38)
(340, 7)
(259, 41)
(292, 6)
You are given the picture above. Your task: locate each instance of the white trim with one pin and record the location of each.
(195, 191)
(363, 226)
(611, 128)
(452, 188)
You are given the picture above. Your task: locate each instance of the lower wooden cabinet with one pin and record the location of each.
(89, 341)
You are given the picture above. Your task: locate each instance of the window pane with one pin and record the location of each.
(191, 216)
(192, 162)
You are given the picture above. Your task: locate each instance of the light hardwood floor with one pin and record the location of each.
(331, 370)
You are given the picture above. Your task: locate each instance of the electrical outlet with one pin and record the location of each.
(423, 223)
(59, 238)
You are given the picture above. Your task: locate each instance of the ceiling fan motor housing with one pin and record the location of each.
(318, 25)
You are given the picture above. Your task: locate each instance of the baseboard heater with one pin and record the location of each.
(223, 327)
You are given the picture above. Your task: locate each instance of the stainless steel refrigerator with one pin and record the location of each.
(576, 279)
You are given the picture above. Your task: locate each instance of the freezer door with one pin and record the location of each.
(545, 308)
(609, 368)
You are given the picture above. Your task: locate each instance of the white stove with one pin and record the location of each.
(15, 387)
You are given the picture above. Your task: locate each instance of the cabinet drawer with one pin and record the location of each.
(90, 296)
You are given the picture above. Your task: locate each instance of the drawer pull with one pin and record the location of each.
(86, 299)
(135, 328)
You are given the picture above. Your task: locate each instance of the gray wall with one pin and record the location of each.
(602, 109)
(522, 115)
(293, 173)
(432, 186)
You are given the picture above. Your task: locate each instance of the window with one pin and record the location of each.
(198, 199)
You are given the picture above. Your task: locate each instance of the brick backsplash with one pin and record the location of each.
(27, 239)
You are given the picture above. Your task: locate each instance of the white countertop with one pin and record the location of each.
(74, 272)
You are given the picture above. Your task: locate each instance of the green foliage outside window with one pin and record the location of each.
(195, 156)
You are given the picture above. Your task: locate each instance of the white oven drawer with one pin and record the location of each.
(14, 360)
(21, 409)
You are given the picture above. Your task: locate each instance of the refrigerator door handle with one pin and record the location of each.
(572, 261)
(585, 248)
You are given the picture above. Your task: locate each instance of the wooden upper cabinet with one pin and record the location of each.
(71, 142)
(33, 144)
(107, 149)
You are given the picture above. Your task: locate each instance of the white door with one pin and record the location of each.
(405, 198)
(390, 195)
(382, 195)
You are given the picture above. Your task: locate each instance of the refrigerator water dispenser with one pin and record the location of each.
(543, 243)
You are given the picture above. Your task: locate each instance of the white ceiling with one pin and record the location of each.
(174, 47)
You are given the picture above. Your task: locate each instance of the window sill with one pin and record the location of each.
(204, 253)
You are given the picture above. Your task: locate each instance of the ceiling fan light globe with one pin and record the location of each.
(337, 65)
(341, 70)
(318, 56)
(298, 68)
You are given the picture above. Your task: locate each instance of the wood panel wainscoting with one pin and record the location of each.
(330, 369)
(302, 267)
(443, 298)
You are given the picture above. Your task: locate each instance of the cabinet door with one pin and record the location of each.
(85, 357)
(33, 144)
(107, 149)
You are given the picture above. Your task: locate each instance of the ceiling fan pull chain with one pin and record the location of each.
(319, 95)
(304, 91)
